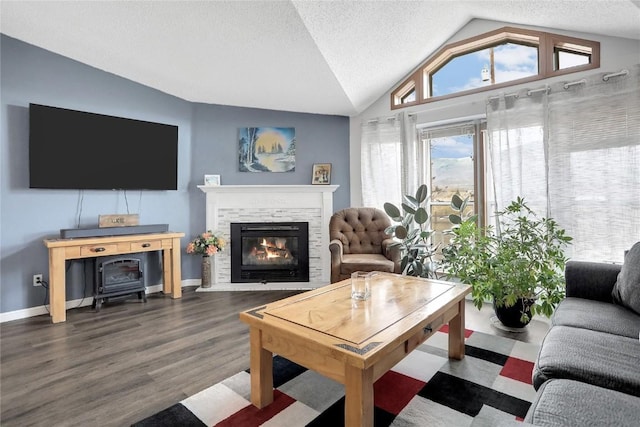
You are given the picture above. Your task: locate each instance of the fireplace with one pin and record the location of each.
(117, 276)
(227, 204)
(269, 252)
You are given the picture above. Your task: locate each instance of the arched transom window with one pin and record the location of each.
(496, 59)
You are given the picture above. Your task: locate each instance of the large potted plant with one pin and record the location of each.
(412, 234)
(519, 266)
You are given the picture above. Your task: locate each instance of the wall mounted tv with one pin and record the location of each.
(71, 149)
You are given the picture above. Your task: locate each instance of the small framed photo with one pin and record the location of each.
(212, 180)
(321, 174)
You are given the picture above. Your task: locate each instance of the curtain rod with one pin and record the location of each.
(372, 121)
(577, 82)
(530, 92)
(542, 89)
(515, 95)
(444, 107)
(457, 121)
(567, 85)
(605, 78)
(623, 72)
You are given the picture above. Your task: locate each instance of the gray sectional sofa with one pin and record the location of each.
(588, 370)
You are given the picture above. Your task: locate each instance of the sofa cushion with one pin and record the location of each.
(606, 360)
(626, 291)
(361, 230)
(572, 403)
(597, 316)
(591, 280)
(365, 262)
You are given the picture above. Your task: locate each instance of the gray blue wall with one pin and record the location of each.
(207, 145)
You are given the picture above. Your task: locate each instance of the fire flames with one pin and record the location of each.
(272, 250)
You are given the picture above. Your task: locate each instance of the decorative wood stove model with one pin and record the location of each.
(117, 276)
(269, 252)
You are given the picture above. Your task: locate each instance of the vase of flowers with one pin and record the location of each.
(206, 244)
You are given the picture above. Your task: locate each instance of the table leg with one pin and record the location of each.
(456, 333)
(358, 390)
(261, 370)
(171, 270)
(167, 275)
(176, 280)
(57, 285)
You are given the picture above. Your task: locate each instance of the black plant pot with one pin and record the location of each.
(510, 316)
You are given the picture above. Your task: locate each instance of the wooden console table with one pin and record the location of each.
(61, 250)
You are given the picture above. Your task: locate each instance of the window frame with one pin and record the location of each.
(479, 169)
(405, 88)
(420, 80)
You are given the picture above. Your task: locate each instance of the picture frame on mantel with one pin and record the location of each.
(321, 174)
(212, 180)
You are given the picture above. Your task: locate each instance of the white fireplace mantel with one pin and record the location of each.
(253, 203)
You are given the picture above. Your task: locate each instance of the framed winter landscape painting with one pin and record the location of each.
(267, 149)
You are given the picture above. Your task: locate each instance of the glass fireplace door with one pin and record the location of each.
(269, 252)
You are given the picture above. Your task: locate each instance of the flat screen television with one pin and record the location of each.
(71, 149)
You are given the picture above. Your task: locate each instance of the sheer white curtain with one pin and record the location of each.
(516, 152)
(412, 161)
(389, 147)
(573, 152)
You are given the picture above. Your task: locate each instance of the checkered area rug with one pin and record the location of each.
(490, 385)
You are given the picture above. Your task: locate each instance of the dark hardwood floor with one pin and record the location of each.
(133, 359)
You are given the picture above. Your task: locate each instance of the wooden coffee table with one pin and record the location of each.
(353, 342)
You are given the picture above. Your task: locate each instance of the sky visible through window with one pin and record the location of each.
(511, 62)
(454, 147)
(452, 157)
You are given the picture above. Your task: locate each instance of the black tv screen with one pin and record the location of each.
(71, 149)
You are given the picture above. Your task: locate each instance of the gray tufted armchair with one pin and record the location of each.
(359, 243)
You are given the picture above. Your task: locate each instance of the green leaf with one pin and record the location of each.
(421, 193)
(455, 219)
(410, 199)
(401, 232)
(403, 264)
(425, 234)
(391, 210)
(408, 209)
(421, 216)
(456, 202)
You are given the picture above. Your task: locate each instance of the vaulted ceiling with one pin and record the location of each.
(327, 57)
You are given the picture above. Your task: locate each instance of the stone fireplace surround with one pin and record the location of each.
(277, 203)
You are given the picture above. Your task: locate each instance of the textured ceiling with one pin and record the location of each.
(327, 57)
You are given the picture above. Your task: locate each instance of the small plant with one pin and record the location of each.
(412, 234)
(206, 244)
(522, 263)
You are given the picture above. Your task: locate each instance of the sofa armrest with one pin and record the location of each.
(392, 252)
(337, 249)
(591, 280)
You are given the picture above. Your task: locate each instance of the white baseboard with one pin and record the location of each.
(218, 287)
(82, 302)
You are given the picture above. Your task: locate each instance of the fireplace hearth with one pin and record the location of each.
(269, 252)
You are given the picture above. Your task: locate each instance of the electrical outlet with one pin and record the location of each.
(37, 280)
